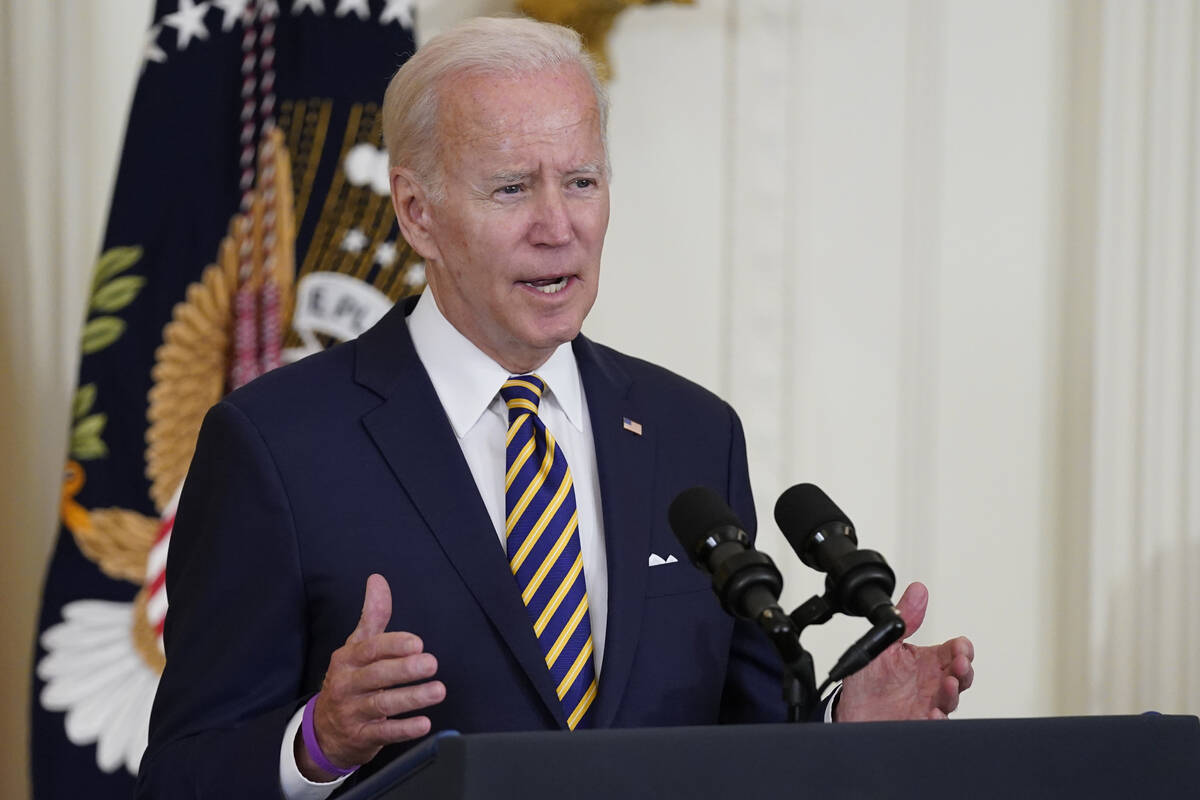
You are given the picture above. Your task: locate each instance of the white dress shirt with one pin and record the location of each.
(467, 382)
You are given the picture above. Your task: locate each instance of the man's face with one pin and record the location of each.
(518, 234)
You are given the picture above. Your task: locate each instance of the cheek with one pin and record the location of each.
(494, 239)
(595, 224)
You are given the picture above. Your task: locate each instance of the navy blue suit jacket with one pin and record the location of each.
(320, 473)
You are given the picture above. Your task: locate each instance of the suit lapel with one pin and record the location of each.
(411, 423)
(625, 461)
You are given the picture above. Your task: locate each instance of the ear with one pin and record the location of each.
(413, 212)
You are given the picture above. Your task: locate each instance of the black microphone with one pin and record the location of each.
(746, 581)
(858, 582)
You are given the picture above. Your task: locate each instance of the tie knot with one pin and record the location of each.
(523, 392)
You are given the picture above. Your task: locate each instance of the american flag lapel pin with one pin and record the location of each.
(631, 426)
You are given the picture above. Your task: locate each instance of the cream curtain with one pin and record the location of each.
(67, 68)
(1143, 620)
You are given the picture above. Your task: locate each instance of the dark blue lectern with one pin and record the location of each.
(1071, 757)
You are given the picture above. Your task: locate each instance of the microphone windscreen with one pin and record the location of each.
(695, 512)
(804, 508)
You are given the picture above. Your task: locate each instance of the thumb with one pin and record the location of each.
(376, 609)
(912, 606)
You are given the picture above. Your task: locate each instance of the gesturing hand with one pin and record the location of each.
(361, 693)
(909, 682)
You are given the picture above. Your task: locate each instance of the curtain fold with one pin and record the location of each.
(1144, 548)
(67, 69)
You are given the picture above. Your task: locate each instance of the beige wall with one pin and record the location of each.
(840, 216)
(875, 226)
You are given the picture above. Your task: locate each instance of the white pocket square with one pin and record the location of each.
(657, 561)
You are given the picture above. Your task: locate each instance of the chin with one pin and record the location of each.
(561, 326)
(549, 338)
(549, 342)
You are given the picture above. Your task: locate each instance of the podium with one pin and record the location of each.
(1087, 757)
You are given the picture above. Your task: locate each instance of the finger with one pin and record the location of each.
(958, 646)
(368, 666)
(391, 672)
(389, 731)
(403, 700)
(349, 731)
(954, 651)
(382, 732)
(968, 647)
(912, 606)
(393, 644)
(376, 610)
(947, 695)
(965, 672)
(937, 713)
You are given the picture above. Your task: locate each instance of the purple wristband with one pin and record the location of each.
(310, 742)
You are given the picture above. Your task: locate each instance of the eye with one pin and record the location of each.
(583, 183)
(512, 188)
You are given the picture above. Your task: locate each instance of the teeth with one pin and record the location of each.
(549, 288)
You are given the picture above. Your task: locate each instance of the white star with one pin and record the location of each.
(399, 10)
(317, 6)
(359, 7)
(415, 275)
(188, 21)
(234, 9)
(152, 51)
(385, 254)
(354, 241)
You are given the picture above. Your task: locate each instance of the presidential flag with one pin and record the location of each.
(250, 225)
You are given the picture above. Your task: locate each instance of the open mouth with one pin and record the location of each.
(548, 285)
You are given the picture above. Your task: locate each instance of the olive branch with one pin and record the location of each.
(109, 294)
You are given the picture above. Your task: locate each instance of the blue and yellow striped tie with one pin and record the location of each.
(543, 547)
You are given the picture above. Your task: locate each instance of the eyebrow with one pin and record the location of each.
(510, 177)
(505, 178)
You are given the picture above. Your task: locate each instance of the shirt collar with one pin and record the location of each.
(467, 380)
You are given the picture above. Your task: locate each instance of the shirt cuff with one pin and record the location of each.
(830, 702)
(294, 785)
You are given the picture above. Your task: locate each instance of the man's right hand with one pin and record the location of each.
(373, 677)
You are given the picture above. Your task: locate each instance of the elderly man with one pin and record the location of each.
(471, 491)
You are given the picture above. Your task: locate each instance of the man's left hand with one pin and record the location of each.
(906, 681)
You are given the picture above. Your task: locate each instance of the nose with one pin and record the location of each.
(552, 220)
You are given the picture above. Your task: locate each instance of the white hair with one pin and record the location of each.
(511, 46)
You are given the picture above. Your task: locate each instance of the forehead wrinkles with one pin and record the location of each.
(501, 113)
(510, 139)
